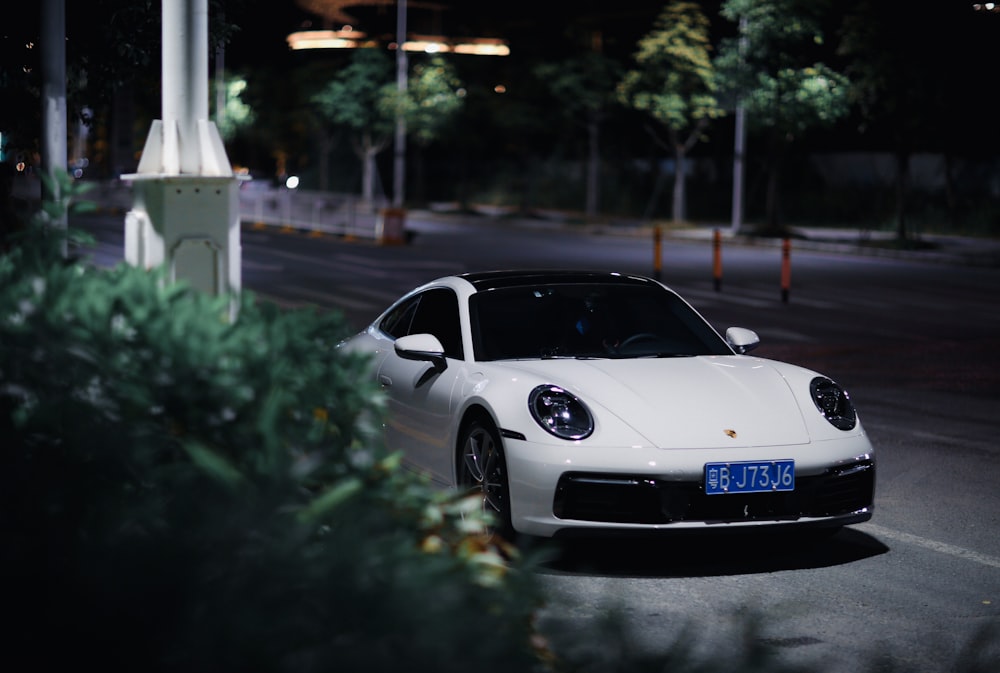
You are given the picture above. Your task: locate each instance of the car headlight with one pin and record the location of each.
(560, 412)
(833, 402)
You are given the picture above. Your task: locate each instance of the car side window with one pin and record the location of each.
(434, 312)
(437, 314)
(397, 322)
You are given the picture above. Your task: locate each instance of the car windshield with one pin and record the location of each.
(599, 320)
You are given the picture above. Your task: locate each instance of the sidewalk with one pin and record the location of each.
(956, 250)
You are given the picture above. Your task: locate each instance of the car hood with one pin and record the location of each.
(690, 402)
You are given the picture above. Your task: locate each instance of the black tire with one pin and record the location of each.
(483, 468)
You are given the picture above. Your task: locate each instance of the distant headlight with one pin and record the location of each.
(560, 412)
(833, 402)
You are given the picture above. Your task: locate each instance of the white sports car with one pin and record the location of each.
(583, 402)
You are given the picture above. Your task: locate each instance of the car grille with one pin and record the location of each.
(616, 498)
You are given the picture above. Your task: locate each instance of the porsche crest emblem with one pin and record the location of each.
(730, 433)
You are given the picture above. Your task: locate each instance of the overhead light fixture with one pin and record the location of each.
(345, 38)
(482, 47)
(348, 38)
(436, 44)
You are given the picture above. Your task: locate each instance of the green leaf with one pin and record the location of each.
(321, 506)
(213, 463)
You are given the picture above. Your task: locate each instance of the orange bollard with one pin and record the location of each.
(717, 259)
(786, 269)
(657, 252)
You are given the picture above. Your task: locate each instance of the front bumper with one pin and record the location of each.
(838, 490)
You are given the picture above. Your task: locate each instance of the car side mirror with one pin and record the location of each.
(425, 347)
(742, 340)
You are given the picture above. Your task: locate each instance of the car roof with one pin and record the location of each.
(490, 280)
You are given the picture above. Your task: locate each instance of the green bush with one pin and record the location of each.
(183, 490)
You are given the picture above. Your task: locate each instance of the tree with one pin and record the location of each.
(434, 97)
(780, 80)
(110, 46)
(237, 114)
(907, 88)
(363, 98)
(585, 89)
(674, 83)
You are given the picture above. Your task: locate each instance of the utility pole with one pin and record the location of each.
(54, 144)
(402, 67)
(185, 213)
(739, 148)
(739, 171)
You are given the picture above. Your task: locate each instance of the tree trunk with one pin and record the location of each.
(950, 194)
(368, 172)
(771, 219)
(654, 198)
(773, 224)
(419, 174)
(902, 189)
(593, 168)
(325, 147)
(679, 210)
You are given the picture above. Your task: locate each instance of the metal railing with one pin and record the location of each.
(327, 212)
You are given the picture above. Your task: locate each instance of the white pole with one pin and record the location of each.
(399, 163)
(54, 129)
(185, 81)
(185, 213)
(739, 148)
(220, 86)
(738, 168)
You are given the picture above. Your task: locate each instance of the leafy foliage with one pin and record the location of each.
(778, 70)
(584, 90)
(110, 46)
(181, 491)
(237, 114)
(674, 84)
(583, 85)
(434, 96)
(356, 96)
(363, 99)
(675, 79)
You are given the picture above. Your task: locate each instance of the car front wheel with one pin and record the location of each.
(484, 470)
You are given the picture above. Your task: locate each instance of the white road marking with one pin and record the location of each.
(384, 297)
(782, 334)
(933, 545)
(329, 298)
(755, 297)
(260, 266)
(444, 267)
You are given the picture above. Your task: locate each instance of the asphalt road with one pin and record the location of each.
(915, 341)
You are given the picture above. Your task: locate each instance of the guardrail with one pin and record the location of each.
(327, 212)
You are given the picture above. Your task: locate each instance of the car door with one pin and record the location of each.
(419, 392)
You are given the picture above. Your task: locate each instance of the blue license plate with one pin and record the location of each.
(755, 476)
